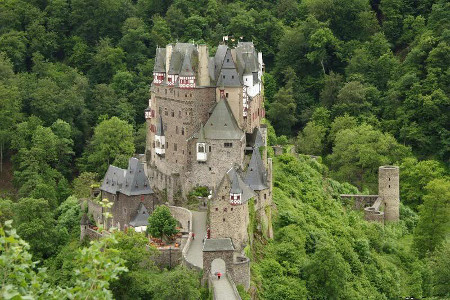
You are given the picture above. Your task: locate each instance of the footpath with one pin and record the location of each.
(223, 290)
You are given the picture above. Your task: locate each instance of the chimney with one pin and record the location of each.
(203, 72)
(168, 56)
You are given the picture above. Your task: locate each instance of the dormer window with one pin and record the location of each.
(202, 156)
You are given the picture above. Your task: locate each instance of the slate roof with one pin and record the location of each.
(186, 69)
(201, 135)
(131, 181)
(235, 177)
(224, 244)
(222, 125)
(141, 218)
(254, 139)
(184, 56)
(160, 60)
(256, 175)
(235, 187)
(160, 126)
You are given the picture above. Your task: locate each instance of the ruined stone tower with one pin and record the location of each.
(389, 191)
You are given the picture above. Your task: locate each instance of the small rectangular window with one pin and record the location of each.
(209, 148)
(172, 113)
(175, 148)
(228, 145)
(226, 95)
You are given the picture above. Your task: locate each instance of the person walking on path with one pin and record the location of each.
(218, 275)
(193, 235)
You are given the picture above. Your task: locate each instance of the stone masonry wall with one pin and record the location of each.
(208, 258)
(389, 191)
(241, 271)
(168, 257)
(220, 160)
(182, 110)
(184, 216)
(125, 207)
(96, 210)
(228, 220)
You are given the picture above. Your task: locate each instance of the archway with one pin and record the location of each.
(218, 265)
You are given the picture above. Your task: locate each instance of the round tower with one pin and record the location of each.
(389, 191)
(84, 224)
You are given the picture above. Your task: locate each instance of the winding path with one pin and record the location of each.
(195, 253)
(223, 290)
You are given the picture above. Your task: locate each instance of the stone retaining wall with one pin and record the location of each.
(183, 215)
(241, 271)
(168, 257)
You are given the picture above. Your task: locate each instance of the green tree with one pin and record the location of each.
(358, 152)
(352, 99)
(178, 284)
(415, 177)
(107, 61)
(95, 267)
(82, 185)
(311, 139)
(111, 142)
(439, 264)
(14, 44)
(327, 274)
(161, 223)
(10, 105)
(341, 123)
(282, 110)
(434, 221)
(35, 223)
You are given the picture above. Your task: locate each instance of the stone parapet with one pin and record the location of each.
(183, 215)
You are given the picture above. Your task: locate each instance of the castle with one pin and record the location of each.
(386, 205)
(204, 129)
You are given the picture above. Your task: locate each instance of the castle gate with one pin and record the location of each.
(217, 253)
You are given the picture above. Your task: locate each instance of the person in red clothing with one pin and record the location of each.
(218, 275)
(193, 235)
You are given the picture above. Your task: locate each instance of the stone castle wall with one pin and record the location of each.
(168, 257)
(228, 220)
(125, 207)
(96, 210)
(389, 191)
(241, 271)
(220, 160)
(183, 215)
(182, 111)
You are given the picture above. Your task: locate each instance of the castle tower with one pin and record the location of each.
(389, 191)
(84, 223)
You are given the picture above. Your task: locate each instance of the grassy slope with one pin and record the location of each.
(323, 249)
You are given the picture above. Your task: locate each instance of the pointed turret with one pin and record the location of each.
(222, 124)
(256, 175)
(160, 139)
(160, 127)
(201, 145)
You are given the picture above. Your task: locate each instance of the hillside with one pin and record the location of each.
(348, 86)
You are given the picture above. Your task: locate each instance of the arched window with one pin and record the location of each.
(201, 148)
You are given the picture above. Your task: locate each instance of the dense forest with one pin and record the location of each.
(356, 83)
